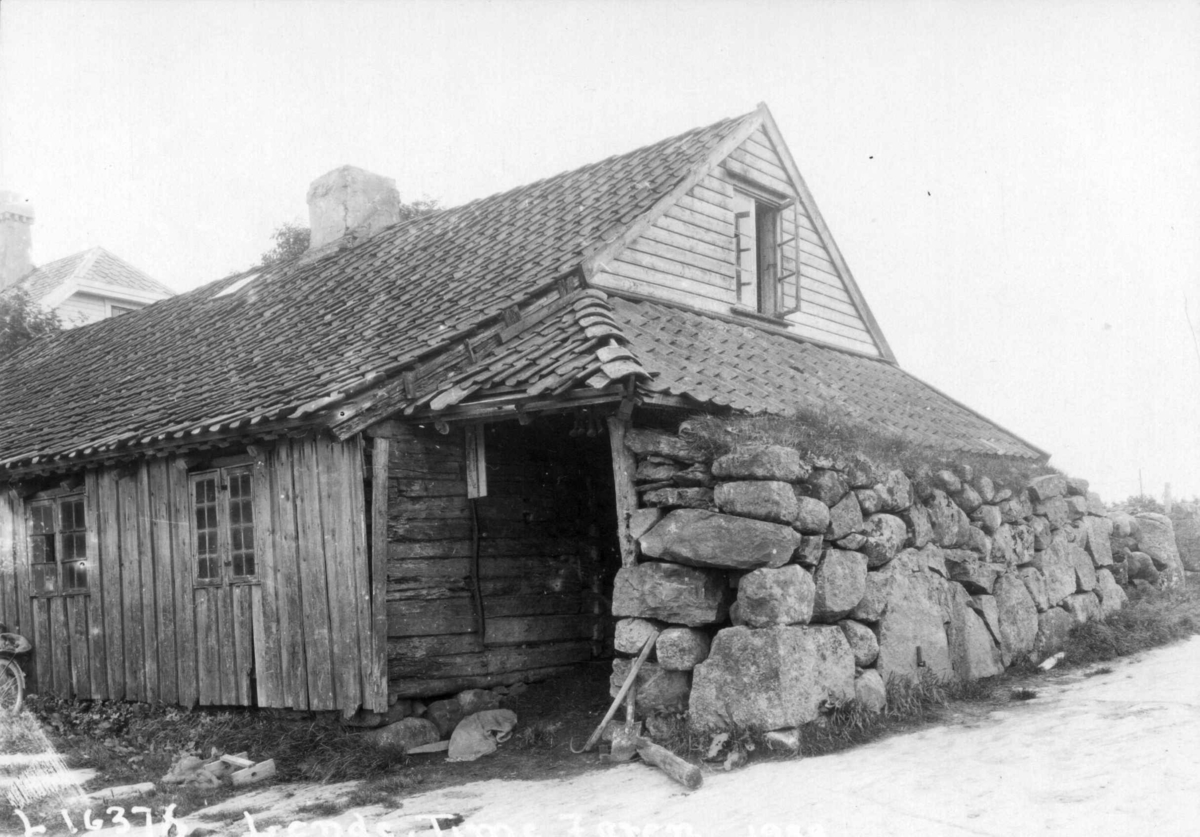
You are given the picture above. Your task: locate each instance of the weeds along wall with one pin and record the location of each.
(774, 584)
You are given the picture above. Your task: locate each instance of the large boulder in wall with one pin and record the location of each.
(915, 616)
(1054, 626)
(658, 689)
(770, 500)
(841, 582)
(782, 596)
(1085, 570)
(1099, 540)
(1018, 617)
(886, 535)
(761, 462)
(671, 593)
(770, 678)
(1156, 538)
(708, 539)
(973, 651)
(1112, 597)
(1058, 571)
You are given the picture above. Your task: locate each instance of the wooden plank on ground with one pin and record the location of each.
(149, 591)
(109, 523)
(313, 582)
(267, 666)
(97, 660)
(164, 578)
(180, 505)
(294, 679)
(625, 492)
(380, 456)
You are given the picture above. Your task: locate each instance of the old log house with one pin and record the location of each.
(395, 466)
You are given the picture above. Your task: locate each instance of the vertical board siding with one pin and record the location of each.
(299, 635)
(537, 557)
(97, 656)
(380, 461)
(288, 580)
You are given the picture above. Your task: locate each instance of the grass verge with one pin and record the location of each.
(1151, 618)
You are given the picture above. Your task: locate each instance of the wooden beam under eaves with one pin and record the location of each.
(476, 462)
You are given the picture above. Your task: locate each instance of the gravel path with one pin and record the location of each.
(1113, 754)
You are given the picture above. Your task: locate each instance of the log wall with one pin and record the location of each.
(298, 634)
(687, 256)
(544, 535)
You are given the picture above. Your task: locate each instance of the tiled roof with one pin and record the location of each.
(712, 360)
(304, 333)
(576, 341)
(95, 265)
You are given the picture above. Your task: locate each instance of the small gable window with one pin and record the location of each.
(223, 530)
(58, 545)
(763, 286)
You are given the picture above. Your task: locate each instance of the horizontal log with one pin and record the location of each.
(419, 589)
(457, 615)
(518, 630)
(492, 661)
(419, 647)
(489, 547)
(422, 688)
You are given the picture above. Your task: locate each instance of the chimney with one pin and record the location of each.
(16, 216)
(350, 200)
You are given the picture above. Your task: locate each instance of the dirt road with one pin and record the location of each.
(1112, 754)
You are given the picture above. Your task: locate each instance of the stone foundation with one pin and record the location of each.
(783, 586)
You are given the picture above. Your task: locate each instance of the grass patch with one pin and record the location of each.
(1151, 618)
(1022, 694)
(1101, 670)
(821, 433)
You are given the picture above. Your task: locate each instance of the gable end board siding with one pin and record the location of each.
(146, 629)
(535, 559)
(687, 255)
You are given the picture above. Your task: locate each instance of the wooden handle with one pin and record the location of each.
(625, 687)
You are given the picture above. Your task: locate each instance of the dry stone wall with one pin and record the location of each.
(781, 586)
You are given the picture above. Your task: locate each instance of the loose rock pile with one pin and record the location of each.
(781, 586)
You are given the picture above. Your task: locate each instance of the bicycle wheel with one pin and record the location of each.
(12, 692)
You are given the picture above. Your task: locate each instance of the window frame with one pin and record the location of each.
(768, 290)
(54, 502)
(227, 529)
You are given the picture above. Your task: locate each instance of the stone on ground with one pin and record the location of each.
(770, 678)
(404, 734)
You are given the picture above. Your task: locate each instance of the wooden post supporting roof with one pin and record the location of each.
(476, 462)
(626, 495)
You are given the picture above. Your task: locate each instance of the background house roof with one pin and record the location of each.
(94, 265)
(299, 335)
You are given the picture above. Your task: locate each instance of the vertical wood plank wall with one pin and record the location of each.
(539, 560)
(299, 637)
(687, 256)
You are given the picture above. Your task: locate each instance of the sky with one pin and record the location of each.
(1015, 185)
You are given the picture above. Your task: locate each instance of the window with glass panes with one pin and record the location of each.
(223, 534)
(58, 545)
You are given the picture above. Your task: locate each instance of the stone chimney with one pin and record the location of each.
(16, 216)
(350, 200)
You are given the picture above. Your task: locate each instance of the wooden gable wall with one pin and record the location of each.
(687, 255)
(298, 636)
